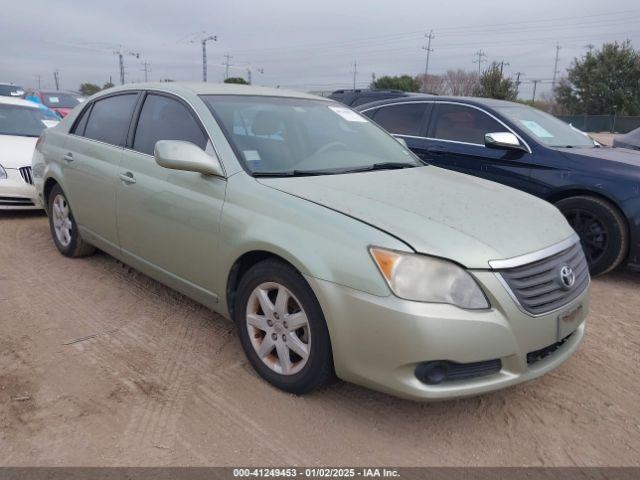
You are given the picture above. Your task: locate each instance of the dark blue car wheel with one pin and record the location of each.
(602, 231)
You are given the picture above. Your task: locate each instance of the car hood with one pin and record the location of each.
(16, 152)
(621, 156)
(438, 212)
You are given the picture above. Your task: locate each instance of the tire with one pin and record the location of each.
(64, 229)
(602, 230)
(259, 328)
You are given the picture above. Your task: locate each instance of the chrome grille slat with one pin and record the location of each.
(26, 174)
(537, 285)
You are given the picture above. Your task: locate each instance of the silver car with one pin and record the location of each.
(329, 244)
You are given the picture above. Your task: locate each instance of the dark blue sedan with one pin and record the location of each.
(597, 188)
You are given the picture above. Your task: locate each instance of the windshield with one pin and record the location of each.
(277, 135)
(546, 128)
(23, 121)
(11, 91)
(60, 100)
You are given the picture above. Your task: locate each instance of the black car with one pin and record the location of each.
(628, 140)
(353, 98)
(597, 188)
(11, 90)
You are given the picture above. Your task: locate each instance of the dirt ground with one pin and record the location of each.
(99, 365)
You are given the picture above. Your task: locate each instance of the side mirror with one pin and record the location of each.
(503, 140)
(179, 155)
(401, 141)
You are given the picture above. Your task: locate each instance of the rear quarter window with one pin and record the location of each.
(109, 119)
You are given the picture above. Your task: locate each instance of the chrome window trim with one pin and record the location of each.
(534, 256)
(154, 89)
(454, 103)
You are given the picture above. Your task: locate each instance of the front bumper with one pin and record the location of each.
(16, 193)
(379, 341)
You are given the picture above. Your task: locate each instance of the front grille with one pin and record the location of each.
(15, 202)
(537, 355)
(538, 286)
(26, 174)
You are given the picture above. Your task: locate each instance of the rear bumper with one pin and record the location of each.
(16, 193)
(378, 342)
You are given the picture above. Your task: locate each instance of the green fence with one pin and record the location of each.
(602, 123)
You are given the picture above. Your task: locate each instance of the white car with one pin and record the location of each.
(21, 123)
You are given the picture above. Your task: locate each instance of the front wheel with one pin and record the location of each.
(602, 231)
(282, 328)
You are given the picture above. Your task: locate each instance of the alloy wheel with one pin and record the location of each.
(278, 328)
(592, 233)
(62, 220)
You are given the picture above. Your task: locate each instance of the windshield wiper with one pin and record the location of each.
(308, 173)
(381, 166)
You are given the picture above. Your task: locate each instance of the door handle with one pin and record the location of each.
(68, 157)
(127, 178)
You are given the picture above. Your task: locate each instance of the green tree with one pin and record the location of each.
(88, 89)
(107, 85)
(238, 80)
(493, 85)
(405, 83)
(604, 81)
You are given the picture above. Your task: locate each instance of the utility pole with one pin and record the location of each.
(227, 57)
(355, 71)
(555, 67)
(502, 64)
(204, 54)
(56, 79)
(535, 84)
(249, 72)
(146, 67)
(121, 55)
(482, 57)
(38, 76)
(428, 48)
(518, 81)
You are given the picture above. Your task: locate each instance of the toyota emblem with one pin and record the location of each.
(567, 277)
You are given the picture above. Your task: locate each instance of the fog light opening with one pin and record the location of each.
(432, 373)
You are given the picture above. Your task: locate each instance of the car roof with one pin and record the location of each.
(18, 101)
(479, 101)
(202, 88)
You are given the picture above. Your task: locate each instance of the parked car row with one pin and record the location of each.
(334, 248)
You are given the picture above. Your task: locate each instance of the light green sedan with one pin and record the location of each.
(333, 249)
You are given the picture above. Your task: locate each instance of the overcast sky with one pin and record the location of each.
(300, 44)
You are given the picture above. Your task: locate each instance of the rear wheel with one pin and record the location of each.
(602, 231)
(64, 229)
(282, 328)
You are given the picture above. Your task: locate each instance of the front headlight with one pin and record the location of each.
(428, 279)
(3, 173)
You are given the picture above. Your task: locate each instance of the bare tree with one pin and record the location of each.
(432, 84)
(460, 82)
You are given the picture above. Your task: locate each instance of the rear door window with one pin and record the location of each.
(164, 118)
(110, 118)
(402, 118)
(460, 123)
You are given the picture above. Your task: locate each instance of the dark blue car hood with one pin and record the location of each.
(621, 158)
